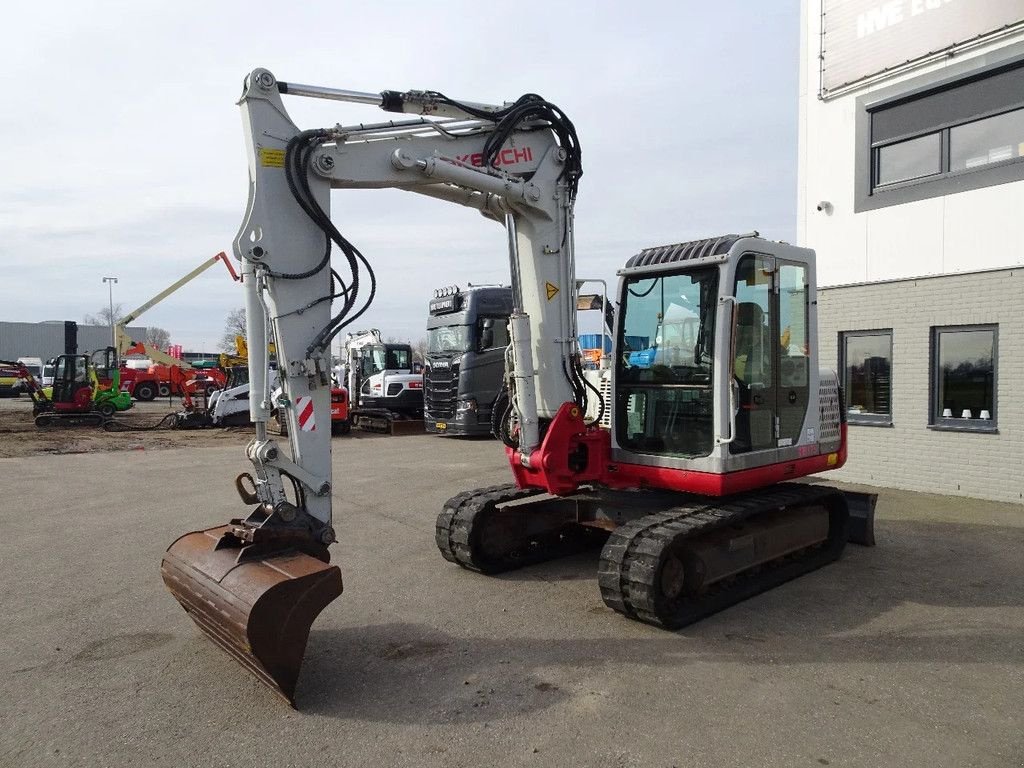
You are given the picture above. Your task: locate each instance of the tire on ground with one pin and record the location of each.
(144, 391)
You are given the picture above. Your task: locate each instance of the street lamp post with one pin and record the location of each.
(110, 283)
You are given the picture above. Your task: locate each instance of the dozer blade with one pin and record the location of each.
(258, 607)
(401, 427)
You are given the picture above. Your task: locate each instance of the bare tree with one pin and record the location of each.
(234, 326)
(419, 350)
(103, 316)
(158, 338)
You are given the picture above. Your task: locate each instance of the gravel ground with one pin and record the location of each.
(19, 436)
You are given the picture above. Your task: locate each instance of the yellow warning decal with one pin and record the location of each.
(552, 290)
(271, 158)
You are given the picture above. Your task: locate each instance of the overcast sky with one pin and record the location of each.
(123, 150)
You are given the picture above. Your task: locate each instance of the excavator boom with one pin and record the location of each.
(255, 585)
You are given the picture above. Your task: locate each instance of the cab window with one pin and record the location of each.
(492, 333)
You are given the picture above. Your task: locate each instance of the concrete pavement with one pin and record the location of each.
(907, 654)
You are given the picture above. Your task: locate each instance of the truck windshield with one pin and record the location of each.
(451, 339)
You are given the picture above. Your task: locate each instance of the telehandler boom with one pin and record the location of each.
(676, 461)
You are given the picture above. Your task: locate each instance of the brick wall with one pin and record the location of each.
(908, 454)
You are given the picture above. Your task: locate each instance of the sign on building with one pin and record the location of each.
(861, 38)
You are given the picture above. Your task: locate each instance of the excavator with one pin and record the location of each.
(682, 466)
(76, 397)
(386, 395)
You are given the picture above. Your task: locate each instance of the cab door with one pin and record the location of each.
(770, 362)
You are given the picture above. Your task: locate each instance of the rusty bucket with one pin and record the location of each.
(256, 605)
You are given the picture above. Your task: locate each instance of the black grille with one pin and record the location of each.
(441, 392)
(694, 249)
(394, 388)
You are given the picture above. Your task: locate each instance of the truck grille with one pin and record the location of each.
(441, 393)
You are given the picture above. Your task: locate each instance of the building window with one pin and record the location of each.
(866, 365)
(946, 137)
(964, 377)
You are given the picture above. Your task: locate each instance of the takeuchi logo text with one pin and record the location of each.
(507, 156)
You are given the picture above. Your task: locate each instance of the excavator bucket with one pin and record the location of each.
(256, 605)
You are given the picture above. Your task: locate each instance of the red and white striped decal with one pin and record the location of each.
(304, 407)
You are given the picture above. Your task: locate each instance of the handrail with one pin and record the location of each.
(719, 440)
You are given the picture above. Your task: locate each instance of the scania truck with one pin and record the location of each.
(467, 333)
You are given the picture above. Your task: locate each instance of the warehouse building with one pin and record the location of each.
(910, 189)
(49, 339)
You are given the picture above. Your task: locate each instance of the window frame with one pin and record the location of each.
(479, 347)
(628, 389)
(955, 424)
(868, 196)
(945, 171)
(866, 419)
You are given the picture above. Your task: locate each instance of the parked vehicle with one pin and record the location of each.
(10, 380)
(157, 381)
(467, 333)
(681, 469)
(386, 393)
(76, 397)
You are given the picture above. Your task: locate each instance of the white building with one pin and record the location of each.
(911, 190)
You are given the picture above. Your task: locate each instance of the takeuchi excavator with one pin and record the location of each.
(680, 461)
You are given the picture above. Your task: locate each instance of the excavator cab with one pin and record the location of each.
(730, 382)
(72, 385)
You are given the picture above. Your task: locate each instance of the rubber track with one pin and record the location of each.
(461, 513)
(630, 559)
(70, 420)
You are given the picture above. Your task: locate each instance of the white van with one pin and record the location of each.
(34, 365)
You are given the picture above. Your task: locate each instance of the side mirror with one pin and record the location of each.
(487, 333)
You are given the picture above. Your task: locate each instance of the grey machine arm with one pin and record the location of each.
(284, 245)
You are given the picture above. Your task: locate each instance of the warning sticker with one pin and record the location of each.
(552, 290)
(271, 158)
(307, 416)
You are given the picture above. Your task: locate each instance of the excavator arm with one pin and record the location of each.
(518, 165)
(256, 584)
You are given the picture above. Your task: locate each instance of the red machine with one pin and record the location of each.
(156, 381)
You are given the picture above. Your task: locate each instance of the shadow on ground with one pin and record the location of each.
(845, 613)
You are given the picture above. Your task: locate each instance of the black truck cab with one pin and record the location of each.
(467, 333)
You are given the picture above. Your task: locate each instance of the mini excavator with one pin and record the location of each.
(679, 457)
